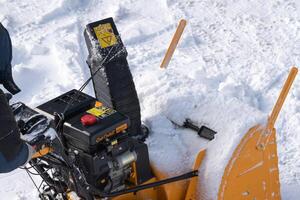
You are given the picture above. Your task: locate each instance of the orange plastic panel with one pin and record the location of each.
(171, 191)
(191, 193)
(149, 194)
(252, 173)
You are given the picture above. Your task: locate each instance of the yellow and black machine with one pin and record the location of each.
(97, 148)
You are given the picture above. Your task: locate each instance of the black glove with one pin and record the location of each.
(10, 141)
(5, 62)
(34, 127)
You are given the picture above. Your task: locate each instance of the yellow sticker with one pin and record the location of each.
(101, 111)
(96, 112)
(105, 35)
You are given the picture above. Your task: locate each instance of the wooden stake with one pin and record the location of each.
(173, 44)
(283, 94)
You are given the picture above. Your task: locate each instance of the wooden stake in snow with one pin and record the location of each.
(173, 44)
(283, 94)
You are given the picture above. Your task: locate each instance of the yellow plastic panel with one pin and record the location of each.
(252, 173)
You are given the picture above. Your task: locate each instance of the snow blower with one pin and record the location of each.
(97, 150)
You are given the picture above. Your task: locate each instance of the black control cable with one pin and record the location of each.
(185, 176)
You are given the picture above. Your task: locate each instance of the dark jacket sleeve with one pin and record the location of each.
(5, 62)
(6, 52)
(13, 151)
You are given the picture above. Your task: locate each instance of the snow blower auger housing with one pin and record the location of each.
(98, 151)
(252, 172)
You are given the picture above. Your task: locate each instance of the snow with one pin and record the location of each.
(226, 74)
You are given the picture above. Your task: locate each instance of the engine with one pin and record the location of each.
(95, 139)
(99, 141)
(99, 137)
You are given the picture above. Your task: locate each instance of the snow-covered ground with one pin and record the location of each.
(226, 73)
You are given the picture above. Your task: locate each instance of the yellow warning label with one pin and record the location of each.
(105, 35)
(96, 112)
(101, 111)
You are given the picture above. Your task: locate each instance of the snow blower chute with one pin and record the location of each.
(99, 150)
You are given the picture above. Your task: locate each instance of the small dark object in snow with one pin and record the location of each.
(204, 131)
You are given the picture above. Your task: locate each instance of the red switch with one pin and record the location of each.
(88, 120)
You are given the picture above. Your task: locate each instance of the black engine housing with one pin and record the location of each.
(107, 163)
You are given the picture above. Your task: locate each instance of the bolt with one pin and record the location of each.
(260, 147)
